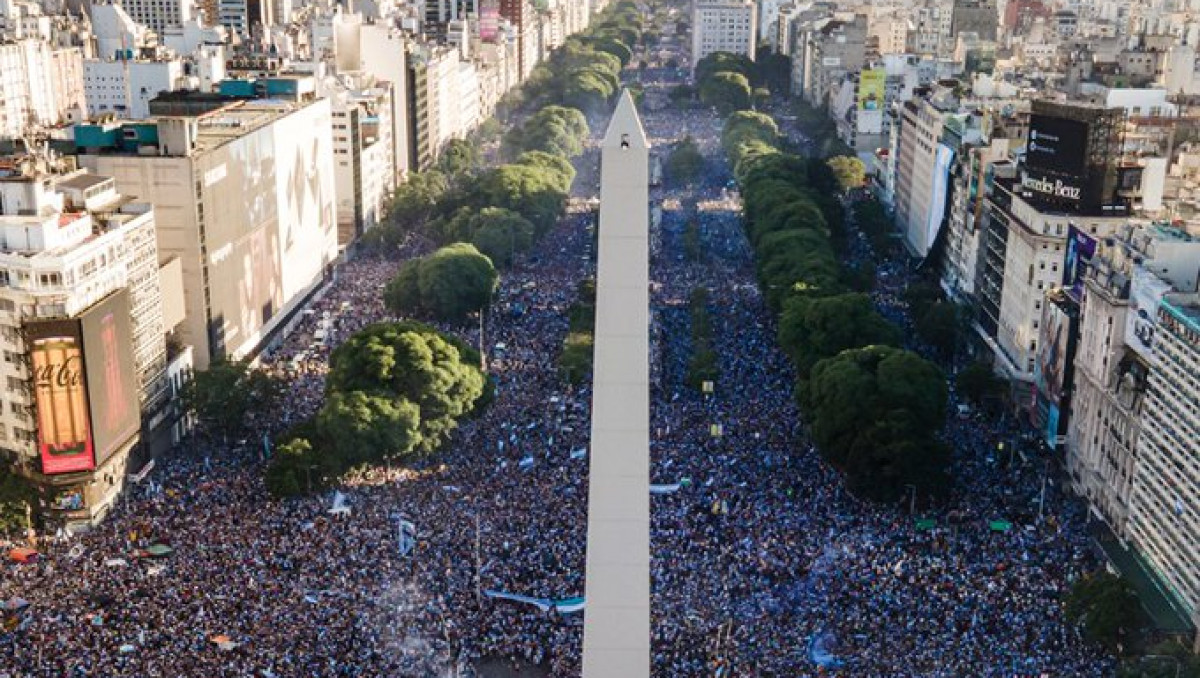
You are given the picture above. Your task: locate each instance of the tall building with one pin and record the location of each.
(724, 26)
(364, 156)
(125, 86)
(1125, 280)
(83, 334)
(159, 15)
(245, 202)
(40, 84)
(1067, 179)
(922, 167)
(1164, 513)
(837, 48)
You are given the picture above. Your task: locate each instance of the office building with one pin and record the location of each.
(83, 334)
(724, 26)
(245, 202)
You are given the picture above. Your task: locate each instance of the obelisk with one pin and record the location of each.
(616, 628)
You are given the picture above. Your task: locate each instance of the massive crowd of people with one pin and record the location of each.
(761, 564)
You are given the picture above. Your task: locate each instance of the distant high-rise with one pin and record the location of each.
(158, 15)
(724, 26)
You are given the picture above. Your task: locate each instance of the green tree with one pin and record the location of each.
(453, 282)
(685, 163)
(499, 234)
(533, 192)
(978, 383)
(727, 92)
(727, 62)
(1107, 608)
(849, 171)
(402, 363)
(229, 394)
(815, 328)
(416, 200)
(16, 503)
(575, 361)
(614, 47)
(365, 427)
(938, 327)
(459, 158)
(773, 70)
(402, 294)
(747, 126)
(874, 413)
(561, 168)
(682, 95)
(558, 130)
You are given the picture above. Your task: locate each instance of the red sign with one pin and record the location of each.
(64, 429)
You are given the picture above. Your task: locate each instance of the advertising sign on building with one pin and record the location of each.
(489, 20)
(60, 396)
(111, 376)
(1052, 369)
(1056, 144)
(872, 87)
(1146, 291)
(1081, 247)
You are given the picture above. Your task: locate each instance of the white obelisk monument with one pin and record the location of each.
(616, 629)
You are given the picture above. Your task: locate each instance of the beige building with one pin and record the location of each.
(1164, 513)
(724, 26)
(82, 332)
(244, 202)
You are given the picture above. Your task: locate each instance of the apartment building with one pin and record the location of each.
(82, 332)
(724, 26)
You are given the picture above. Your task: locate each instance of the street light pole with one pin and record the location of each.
(912, 503)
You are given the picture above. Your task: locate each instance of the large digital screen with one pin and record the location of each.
(1081, 247)
(1052, 369)
(1056, 144)
(60, 396)
(111, 375)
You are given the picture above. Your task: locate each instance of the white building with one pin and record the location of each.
(126, 86)
(158, 15)
(1164, 514)
(724, 26)
(79, 283)
(39, 84)
(1128, 276)
(245, 202)
(364, 154)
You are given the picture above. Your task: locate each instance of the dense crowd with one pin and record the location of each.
(761, 564)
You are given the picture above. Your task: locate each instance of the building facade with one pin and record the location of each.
(83, 336)
(724, 26)
(245, 203)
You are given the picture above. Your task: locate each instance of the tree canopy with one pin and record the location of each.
(849, 171)
(874, 411)
(814, 328)
(685, 163)
(450, 283)
(230, 394)
(1107, 608)
(726, 91)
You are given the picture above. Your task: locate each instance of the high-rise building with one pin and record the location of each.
(82, 332)
(159, 15)
(724, 26)
(246, 202)
(125, 86)
(40, 84)
(1067, 179)
(1164, 512)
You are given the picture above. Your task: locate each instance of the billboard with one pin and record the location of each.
(1146, 291)
(489, 20)
(872, 86)
(1056, 144)
(1052, 369)
(60, 396)
(1081, 247)
(111, 375)
(270, 224)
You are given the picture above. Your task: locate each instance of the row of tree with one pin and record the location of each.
(874, 409)
(395, 392)
(703, 365)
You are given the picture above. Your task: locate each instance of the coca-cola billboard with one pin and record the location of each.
(60, 394)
